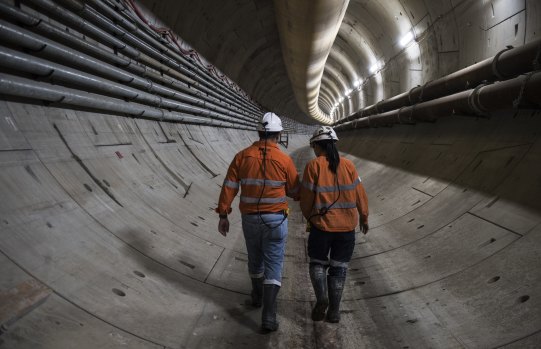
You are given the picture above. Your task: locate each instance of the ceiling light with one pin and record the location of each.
(406, 39)
(376, 66)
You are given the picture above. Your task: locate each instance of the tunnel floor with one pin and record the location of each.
(109, 239)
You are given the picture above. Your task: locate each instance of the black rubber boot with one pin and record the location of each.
(268, 315)
(336, 286)
(318, 276)
(257, 292)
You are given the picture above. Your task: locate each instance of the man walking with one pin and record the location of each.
(265, 176)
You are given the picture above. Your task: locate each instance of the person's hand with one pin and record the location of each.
(364, 228)
(223, 226)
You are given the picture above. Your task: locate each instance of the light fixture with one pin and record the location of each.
(376, 66)
(406, 39)
(358, 83)
(341, 99)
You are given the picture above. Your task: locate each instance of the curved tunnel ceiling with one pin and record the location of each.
(107, 230)
(246, 44)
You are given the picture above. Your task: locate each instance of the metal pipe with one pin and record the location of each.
(507, 64)
(104, 36)
(18, 36)
(59, 74)
(49, 30)
(132, 27)
(20, 87)
(520, 92)
(102, 27)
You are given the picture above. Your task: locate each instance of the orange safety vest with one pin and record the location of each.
(320, 188)
(246, 172)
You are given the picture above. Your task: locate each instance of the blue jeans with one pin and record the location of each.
(265, 247)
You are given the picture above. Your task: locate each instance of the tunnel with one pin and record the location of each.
(120, 119)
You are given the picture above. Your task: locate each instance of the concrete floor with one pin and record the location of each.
(110, 222)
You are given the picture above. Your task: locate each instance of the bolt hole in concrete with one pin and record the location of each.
(119, 292)
(359, 283)
(419, 227)
(138, 273)
(411, 220)
(494, 279)
(88, 187)
(523, 299)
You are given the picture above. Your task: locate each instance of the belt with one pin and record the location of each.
(264, 212)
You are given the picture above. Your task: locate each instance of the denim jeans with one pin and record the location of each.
(265, 246)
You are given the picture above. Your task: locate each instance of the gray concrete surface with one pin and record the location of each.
(126, 237)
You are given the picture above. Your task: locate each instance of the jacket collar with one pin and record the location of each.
(262, 144)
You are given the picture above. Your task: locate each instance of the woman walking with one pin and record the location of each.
(333, 201)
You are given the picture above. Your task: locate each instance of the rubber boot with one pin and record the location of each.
(268, 315)
(257, 292)
(336, 286)
(318, 276)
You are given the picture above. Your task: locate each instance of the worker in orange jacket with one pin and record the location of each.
(265, 176)
(333, 201)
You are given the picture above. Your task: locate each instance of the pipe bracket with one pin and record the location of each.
(422, 92)
(410, 92)
(475, 103)
(409, 119)
(517, 102)
(495, 70)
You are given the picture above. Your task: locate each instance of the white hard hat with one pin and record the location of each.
(270, 122)
(323, 133)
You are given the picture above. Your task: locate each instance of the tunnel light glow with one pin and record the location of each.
(341, 99)
(348, 92)
(358, 83)
(376, 66)
(406, 39)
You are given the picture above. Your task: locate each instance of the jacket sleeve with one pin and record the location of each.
(307, 190)
(292, 184)
(230, 187)
(361, 199)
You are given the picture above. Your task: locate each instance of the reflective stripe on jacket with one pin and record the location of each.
(246, 173)
(321, 188)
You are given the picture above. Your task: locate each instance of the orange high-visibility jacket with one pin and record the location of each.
(246, 172)
(319, 189)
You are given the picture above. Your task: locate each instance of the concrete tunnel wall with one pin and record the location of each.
(125, 240)
(108, 235)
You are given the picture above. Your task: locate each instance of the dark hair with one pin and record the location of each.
(268, 135)
(331, 153)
